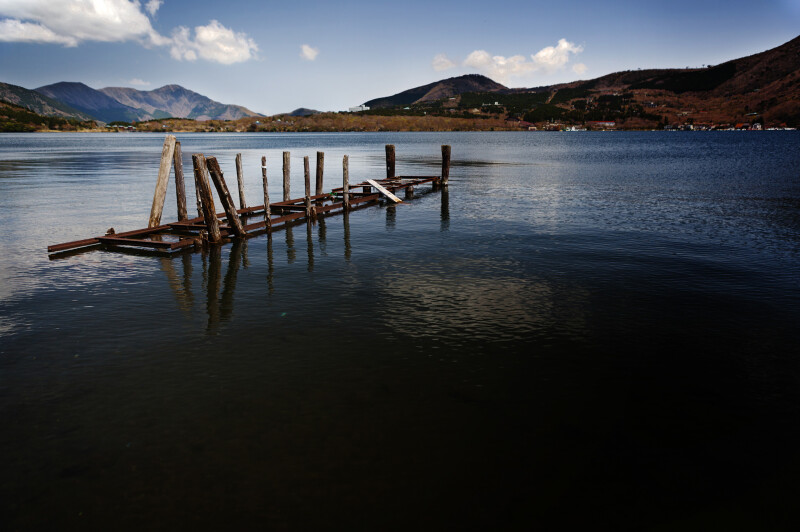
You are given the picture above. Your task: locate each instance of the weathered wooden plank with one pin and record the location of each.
(320, 170)
(286, 175)
(383, 191)
(267, 211)
(240, 181)
(346, 182)
(445, 163)
(390, 160)
(206, 198)
(180, 186)
(307, 178)
(156, 244)
(167, 153)
(224, 196)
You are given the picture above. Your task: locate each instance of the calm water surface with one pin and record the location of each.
(592, 328)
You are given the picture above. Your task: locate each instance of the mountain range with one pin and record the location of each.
(120, 104)
(763, 86)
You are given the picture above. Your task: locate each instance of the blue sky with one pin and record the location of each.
(276, 56)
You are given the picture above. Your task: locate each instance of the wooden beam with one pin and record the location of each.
(320, 170)
(445, 163)
(224, 196)
(267, 213)
(383, 191)
(167, 153)
(346, 182)
(390, 161)
(307, 178)
(180, 187)
(205, 198)
(286, 175)
(240, 180)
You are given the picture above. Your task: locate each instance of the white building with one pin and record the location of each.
(359, 108)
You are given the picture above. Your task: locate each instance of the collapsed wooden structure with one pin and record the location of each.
(212, 227)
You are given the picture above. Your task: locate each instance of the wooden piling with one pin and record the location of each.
(240, 181)
(205, 199)
(180, 186)
(224, 196)
(267, 213)
(346, 183)
(445, 163)
(167, 153)
(320, 169)
(286, 164)
(390, 161)
(197, 194)
(307, 177)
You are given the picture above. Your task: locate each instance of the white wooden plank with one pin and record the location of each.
(384, 191)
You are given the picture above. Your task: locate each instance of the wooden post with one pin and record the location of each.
(267, 213)
(205, 199)
(445, 163)
(320, 169)
(240, 180)
(224, 196)
(390, 161)
(307, 176)
(160, 194)
(286, 163)
(180, 187)
(346, 183)
(197, 194)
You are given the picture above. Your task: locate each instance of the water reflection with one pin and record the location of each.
(445, 213)
(310, 246)
(181, 285)
(347, 249)
(291, 253)
(391, 217)
(220, 307)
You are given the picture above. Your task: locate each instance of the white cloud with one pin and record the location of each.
(580, 68)
(213, 42)
(152, 6)
(137, 82)
(441, 62)
(500, 68)
(17, 31)
(70, 22)
(308, 53)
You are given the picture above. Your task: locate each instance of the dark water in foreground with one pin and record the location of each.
(595, 329)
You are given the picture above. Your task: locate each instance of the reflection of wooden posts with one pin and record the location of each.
(291, 253)
(205, 198)
(224, 196)
(212, 285)
(445, 164)
(267, 213)
(286, 163)
(307, 177)
(348, 251)
(310, 247)
(346, 183)
(320, 170)
(240, 180)
(180, 186)
(390, 161)
(167, 153)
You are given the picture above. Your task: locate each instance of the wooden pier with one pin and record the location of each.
(211, 227)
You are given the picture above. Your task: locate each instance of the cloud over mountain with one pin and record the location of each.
(70, 22)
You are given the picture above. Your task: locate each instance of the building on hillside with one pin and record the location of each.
(359, 108)
(601, 124)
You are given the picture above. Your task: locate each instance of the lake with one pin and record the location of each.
(583, 329)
